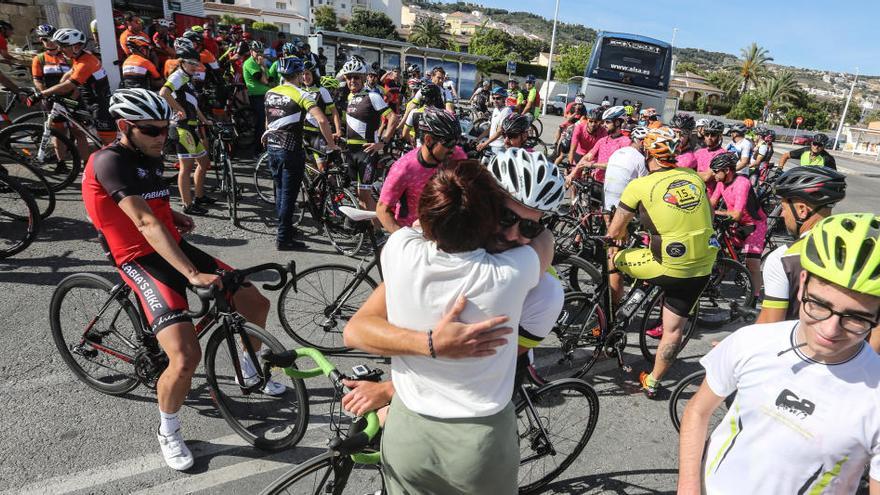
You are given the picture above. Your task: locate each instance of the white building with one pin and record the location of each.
(291, 16)
(344, 8)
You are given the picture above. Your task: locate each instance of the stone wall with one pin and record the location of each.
(24, 15)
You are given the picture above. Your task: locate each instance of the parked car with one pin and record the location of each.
(556, 105)
(802, 140)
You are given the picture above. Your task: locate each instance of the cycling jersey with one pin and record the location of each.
(602, 151)
(624, 165)
(583, 140)
(687, 159)
(285, 105)
(364, 117)
(673, 205)
(49, 68)
(324, 101)
(251, 71)
(378, 89)
(137, 72)
(823, 159)
(180, 84)
(739, 196)
(515, 98)
(796, 426)
(765, 151)
(782, 278)
(112, 174)
(534, 96)
(743, 149)
(417, 99)
(4, 44)
(88, 73)
(703, 157)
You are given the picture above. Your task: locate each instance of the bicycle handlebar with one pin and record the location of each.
(233, 279)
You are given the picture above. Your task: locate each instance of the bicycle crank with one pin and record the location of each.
(614, 346)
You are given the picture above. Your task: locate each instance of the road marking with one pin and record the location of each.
(46, 381)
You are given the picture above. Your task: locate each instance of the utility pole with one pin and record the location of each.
(845, 108)
(672, 69)
(550, 62)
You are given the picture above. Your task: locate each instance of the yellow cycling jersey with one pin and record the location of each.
(673, 205)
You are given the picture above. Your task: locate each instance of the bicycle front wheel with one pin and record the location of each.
(569, 350)
(265, 421)
(652, 328)
(325, 298)
(329, 473)
(231, 190)
(263, 181)
(19, 216)
(25, 140)
(684, 391)
(35, 182)
(554, 430)
(729, 287)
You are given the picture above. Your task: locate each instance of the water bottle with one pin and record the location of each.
(638, 295)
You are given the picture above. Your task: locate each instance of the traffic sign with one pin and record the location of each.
(799, 120)
(511, 67)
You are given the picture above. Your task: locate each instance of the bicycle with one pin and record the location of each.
(33, 180)
(730, 284)
(315, 305)
(19, 216)
(110, 350)
(222, 140)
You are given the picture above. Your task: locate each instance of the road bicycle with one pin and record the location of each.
(554, 423)
(19, 216)
(32, 179)
(222, 136)
(730, 284)
(103, 338)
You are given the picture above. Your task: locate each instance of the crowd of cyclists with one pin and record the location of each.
(468, 254)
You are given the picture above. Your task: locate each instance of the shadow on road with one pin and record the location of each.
(618, 482)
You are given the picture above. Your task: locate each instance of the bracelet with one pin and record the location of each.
(431, 344)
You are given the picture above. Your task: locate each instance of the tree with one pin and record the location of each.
(749, 106)
(325, 18)
(725, 80)
(428, 31)
(491, 43)
(231, 20)
(372, 23)
(753, 66)
(264, 26)
(682, 67)
(778, 89)
(572, 61)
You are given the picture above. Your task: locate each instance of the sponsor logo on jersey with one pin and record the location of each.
(789, 402)
(683, 194)
(676, 249)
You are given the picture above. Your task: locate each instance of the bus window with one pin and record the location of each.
(419, 61)
(467, 80)
(642, 59)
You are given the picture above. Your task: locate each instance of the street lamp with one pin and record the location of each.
(845, 108)
(550, 62)
(672, 47)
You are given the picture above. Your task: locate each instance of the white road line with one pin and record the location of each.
(46, 381)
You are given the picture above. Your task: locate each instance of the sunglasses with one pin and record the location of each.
(528, 228)
(711, 134)
(151, 130)
(818, 145)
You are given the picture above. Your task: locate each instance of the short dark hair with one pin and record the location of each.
(460, 207)
(130, 16)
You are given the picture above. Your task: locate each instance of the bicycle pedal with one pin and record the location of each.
(86, 353)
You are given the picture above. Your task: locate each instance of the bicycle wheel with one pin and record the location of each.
(730, 286)
(24, 141)
(327, 296)
(568, 411)
(569, 350)
(38, 116)
(100, 353)
(683, 392)
(329, 473)
(266, 422)
(231, 190)
(539, 126)
(263, 181)
(34, 181)
(339, 228)
(652, 327)
(577, 274)
(19, 216)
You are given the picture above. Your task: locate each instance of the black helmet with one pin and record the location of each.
(817, 186)
(195, 36)
(820, 139)
(515, 124)
(683, 121)
(738, 128)
(257, 46)
(594, 113)
(414, 68)
(432, 96)
(724, 161)
(5, 26)
(714, 127)
(441, 124)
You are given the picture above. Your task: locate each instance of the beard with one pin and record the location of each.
(497, 244)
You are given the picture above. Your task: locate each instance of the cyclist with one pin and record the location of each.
(805, 415)
(698, 129)
(514, 129)
(449, 86)
(134, 26)
(48, 67)
(742, 147)
(287, 50)
(532, 106)
(674, 207)
(364, 123)
(813, 156)
(432, 97)
(565, 133)
(414, 80)
(743, 207)
(712, 141)
(372, 82)
(128, 203)
(391, 83)
(480, 98)
(587, 132)
(255, 74)
(500, 112)
(312, 135)
(683, 124)
(807, 196)
(624, 165)
(137, 70)
(285, 106)
(515, 97)
(439, 132)
(307, 56)
(597, 157)
(438, 74)
(763, 152)
(180, 93)
(163, 40)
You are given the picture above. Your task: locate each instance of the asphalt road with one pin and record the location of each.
(63, 437)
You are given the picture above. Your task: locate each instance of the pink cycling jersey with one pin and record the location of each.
(704, 157)
(687, 159)
(739, 196)
(602, 151)
(583, 140)
(404, 184)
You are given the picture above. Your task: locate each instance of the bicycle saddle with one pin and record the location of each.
(356, 214)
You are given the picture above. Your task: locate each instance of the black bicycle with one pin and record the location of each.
(223, 135)
(102, 337)
(19, 216)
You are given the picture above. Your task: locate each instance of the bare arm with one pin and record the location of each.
(165, 92)
(385, 213)
(63, 88)
(324, 125)
(735, 215)
(874, 487)
(784, 158)
(742, 163)
(692, 439)
(337, 122)
(772, 315)
(621, 219)
(543, 245)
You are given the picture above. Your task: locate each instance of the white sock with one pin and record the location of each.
(247, 367)
(169, 423)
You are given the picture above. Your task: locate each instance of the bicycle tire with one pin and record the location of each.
(577, 274)
(558, 398)
(257, 428)
(539, 126)
(683, 392)
(19, 217)
(321, 321)
(58, 325)
(650, 320)
(36, 116)
(318, 475)
(569, 350)
(264, 183)
(729, 282)
(35, 182)
(343, 235)
(22, 141)
(231, 190)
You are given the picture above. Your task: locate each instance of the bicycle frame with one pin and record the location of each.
(60, 111)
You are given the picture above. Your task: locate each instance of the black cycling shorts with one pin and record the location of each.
(680, 295)
(362, 167)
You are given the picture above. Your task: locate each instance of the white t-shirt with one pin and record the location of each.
(624, 165)
(796, 426)
(541, 310)
(498, 116)
(421, 284)
(742, 149)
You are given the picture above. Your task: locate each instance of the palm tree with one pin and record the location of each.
(753, 66)
(428, 32)
(725, 80)
(779, 89)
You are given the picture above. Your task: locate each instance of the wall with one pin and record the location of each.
(22, 17)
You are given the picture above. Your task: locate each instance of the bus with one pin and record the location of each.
(628, 69)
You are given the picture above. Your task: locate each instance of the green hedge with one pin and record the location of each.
(522, 70)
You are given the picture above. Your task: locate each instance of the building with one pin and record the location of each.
(543, 59)
(689, 87)
(345, 8)
(291, 16)
(863, 140)
(410, 14)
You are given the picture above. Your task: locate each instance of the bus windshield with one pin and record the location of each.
(634, 57)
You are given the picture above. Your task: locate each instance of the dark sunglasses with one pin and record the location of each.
(711, 134)
(528, 228)
(151, 130)
(818, 145)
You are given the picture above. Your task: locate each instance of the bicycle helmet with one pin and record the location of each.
(629, 109)
(845, 250)
(820, 140)
(257, 46)
(138, 104)
(289, 66)
(193, 36)
(136, 42)
(515, 124)
(69, 37)
(661, 143)
(44, 31)
(486, 83)
(185, 48)
(441, 124)
(738, 128)
(749, 123)
(724, 161)
(330, 82)
(288, 49)
(614, 113)
(769, 136)
(198, 29)
(373, 70)
(166, 23)
(529, 178)
(354, 65)
(499, 92)
(683, 121)
(530, 79)
(638, 132)
(701, 123)
(594, 113)
(714, 127)
(414, 68)
(431, 95)
(649, 112)
(816, 186)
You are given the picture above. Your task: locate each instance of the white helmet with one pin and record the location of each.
(68, 37)
(613, 113)
(138, 104)
(164, 23)
(702, 123)
(638, 132)
(354, 65)
(529, 178)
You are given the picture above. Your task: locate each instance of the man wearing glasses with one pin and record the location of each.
(500, 112)
(805, 418)
(813, 156)
(703, 156)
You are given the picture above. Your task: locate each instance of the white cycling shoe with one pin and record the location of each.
(272, 388)
(175, 451)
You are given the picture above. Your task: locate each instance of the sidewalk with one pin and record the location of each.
(846, 163)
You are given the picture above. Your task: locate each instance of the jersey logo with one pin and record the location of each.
(676, 250)
(789, 402)
(141, 173)
(683, 194)
(276, 99)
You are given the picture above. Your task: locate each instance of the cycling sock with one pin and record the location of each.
(650, 381)
(169, 423)
(247, 367)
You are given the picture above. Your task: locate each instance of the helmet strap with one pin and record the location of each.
(430, 149)
(797, 219)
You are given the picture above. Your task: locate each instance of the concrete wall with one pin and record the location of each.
(24, 15)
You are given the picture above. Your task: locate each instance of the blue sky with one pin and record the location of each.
(830, 35)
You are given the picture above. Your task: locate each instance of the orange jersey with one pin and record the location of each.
(137, 71)
(49, 68)
(88, 73)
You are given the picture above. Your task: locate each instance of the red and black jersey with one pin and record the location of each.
(112, 174)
